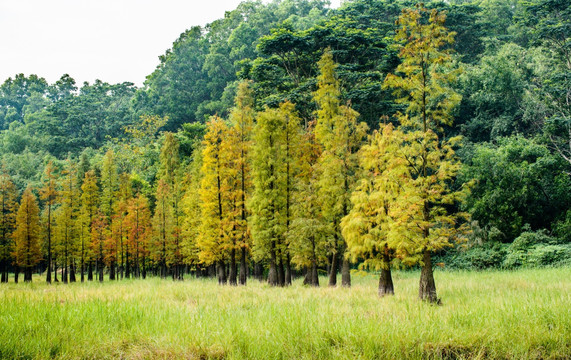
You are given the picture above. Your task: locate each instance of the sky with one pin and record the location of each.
(111, 40)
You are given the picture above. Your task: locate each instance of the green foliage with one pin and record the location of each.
(533, 249)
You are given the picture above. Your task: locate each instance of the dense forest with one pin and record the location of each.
(293, 139)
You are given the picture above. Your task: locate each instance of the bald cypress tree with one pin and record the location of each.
(27, 248)
(340, 136)
(423, 217)
(49, 195)
(8, 208)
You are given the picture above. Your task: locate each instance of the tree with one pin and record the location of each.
(213, 239)
(424, 216)
(8, 207)
(89, 206)
(242, 122)
(99, 233)
(137, 223)
(27, 248)
(48, 194)
(273, 166)
(367, 226)
(340, 135)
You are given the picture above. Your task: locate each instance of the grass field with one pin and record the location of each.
(505, 315)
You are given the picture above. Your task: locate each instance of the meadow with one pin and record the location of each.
(524, 314)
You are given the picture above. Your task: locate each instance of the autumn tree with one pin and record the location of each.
(213, 239)
(66, 224)
(367, 227)
(162, 227)
(99, 233)
(8, 207)
(191, 208)
(423, 217)
(240, 142)
(48, 194)
(119, 230)
(137, 223)
(108, 198)
(89, 207)
(340, 136)
(27, 248)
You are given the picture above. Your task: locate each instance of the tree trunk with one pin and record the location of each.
(4, 268)
(112, 270)
(72, 272)
(232, 277)
(16, 273)
(55, 269)
(221, 271)
(314, 275)
(243, 267)
(281, 272)
(427, 287)
(346, 273)
(28, 274)
(333, 270)
(287, 270)
(90, 271)
(273, 273)
(386, 280)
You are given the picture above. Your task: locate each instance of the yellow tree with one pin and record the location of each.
(119, 230)
(99, 233)
(49, 194)
(422, 218)
(367, 226)
(27, 248)
(8, 207)
(162, 227)
(340, 136)
(108, 198)
(192, 209)
(240, 182)
(213, 240)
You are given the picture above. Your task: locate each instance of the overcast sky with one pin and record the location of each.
(110, 40)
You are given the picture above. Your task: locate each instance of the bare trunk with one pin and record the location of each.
(346, 273)
(273, 273)
(314, 277)
(287, 270)
(243, 267)
(220, 269)
(232, 277)
(427, 287)
(333, 270)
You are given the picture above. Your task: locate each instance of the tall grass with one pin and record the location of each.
(506, 315)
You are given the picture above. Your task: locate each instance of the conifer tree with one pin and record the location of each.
(242, 122)
(308, 232)
(89, 207)
(108, 197)
(422, 217)
(99, 233)
(8, 207)
(137, 223)
(66, 231)
(162, 227)
(192, 209)
(276, 138)
(49, 194)
(367, 226)
(27, 248)
(213, 240)
(340, 136)
(119, 230)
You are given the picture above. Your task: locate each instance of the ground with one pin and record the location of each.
(523, 314)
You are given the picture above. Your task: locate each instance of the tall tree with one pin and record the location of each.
(8, 207)
(27, 248)
(108, 198)
(89, 206)
(213, 239)
(138, 222)
(423, 213)
(242, 122)
(48, 194)
(340, 135)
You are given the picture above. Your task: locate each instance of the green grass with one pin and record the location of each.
(506, 315)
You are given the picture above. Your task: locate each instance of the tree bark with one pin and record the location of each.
(386, 280)
(288, 270)
(28, 274)
(233, 275)
(427, 287)
(243, 267)
(16, 273)
(90, 271)
(314, 275)
(273, 273)
(333, 270)
(346, 273)
(221, 270)
(72, 272)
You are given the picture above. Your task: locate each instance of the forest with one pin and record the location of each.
(288, 139)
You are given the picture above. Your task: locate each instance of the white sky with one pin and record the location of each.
(110, 40)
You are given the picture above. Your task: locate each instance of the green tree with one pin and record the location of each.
(89, 206)
(49, 195)
(340, 135)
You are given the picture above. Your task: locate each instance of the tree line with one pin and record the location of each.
(299, 174)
